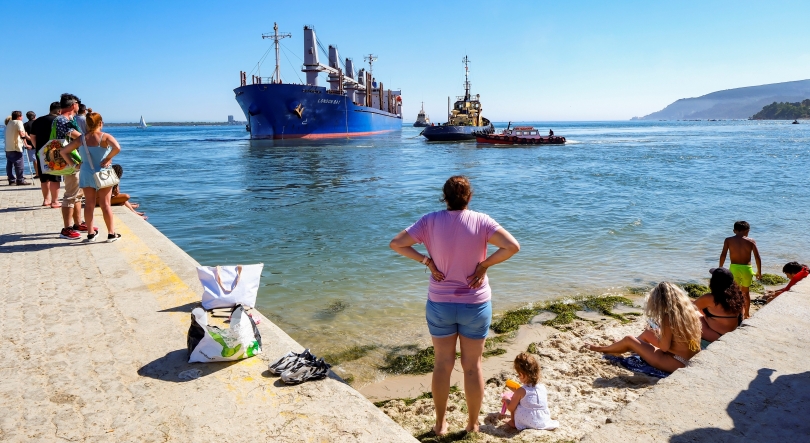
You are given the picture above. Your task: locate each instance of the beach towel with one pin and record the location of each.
(637, 364)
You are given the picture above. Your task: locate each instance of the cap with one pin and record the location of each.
(721, 278)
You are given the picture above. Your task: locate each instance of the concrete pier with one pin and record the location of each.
(95, 341)
(752, 385)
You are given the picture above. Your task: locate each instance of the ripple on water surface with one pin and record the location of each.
(624, 204)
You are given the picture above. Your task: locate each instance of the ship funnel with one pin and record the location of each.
(310, 56)
(349, 68)
(361, 76)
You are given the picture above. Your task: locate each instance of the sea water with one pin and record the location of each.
(621, 205)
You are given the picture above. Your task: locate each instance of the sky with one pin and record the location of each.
(530, 60)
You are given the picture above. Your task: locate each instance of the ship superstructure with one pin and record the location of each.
(354, 104)
(422, 119)
(464, 119)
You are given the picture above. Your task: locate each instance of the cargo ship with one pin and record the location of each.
(353, 104)
(464, 121)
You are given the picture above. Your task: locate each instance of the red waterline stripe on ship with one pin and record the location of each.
(332, 134)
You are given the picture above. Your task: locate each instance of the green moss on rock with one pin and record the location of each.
(511, 320)
(349, 354)
(773, 279)
(494, 352)
(695, 290)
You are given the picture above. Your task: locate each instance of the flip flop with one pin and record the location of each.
(46, 203)
(56, 205)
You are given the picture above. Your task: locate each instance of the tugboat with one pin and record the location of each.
(520, 135)
(422, 120)
(465, 119)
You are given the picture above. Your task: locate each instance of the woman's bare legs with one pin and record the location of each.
(106, 209)
(652, 355)
(444, 351)
(471, 351)
(90, 195)
(53, 187)
(649, 336)
(46, 201)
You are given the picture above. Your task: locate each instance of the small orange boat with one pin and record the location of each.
(519, 135)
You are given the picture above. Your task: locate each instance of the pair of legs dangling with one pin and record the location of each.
(645, 346)
(102, 197)
(444, 349)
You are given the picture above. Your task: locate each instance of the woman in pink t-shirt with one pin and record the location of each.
(458, 308)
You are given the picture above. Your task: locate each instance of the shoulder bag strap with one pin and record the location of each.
(235, 282)
(87, 151)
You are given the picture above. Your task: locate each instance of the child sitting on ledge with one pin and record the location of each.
(793, 271)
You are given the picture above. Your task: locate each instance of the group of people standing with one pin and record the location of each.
(459, 311)
(82, 130)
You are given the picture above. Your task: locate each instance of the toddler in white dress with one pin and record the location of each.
(529, 404)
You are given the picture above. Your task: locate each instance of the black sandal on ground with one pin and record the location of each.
(113, 237)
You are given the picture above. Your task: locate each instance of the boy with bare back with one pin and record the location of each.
(739, 248)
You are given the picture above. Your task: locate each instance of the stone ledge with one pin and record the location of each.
(751, 385)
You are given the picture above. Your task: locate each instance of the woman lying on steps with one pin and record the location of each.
(674, 336)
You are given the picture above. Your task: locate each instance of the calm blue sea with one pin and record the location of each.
(623, 204)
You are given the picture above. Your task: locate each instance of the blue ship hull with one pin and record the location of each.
(280, 111)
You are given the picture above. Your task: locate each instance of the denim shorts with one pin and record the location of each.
(469, 320)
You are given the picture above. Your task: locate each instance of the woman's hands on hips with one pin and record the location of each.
(435, 272)
(477, 279)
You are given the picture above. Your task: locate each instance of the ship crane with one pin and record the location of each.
(276, 37)
(371, 58)
(312, 65)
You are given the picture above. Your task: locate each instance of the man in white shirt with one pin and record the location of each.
(15, 132)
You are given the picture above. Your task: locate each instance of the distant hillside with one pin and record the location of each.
(784, 111)
(733, 103)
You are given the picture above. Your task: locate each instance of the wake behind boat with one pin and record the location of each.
(354, 104)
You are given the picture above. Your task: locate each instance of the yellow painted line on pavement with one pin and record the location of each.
(170, 290)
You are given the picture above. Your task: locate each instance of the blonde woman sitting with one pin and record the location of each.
(674, 334)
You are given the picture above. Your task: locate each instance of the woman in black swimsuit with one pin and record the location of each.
(722, 308)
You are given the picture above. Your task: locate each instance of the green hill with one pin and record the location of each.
(784, 111)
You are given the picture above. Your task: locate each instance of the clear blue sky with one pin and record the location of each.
(531, 60)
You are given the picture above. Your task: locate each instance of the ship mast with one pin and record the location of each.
(276, 37)
(466, 61)
(371, 58)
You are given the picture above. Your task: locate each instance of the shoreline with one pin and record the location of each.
(585, 391)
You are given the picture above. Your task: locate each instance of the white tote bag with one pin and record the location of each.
(228, 286)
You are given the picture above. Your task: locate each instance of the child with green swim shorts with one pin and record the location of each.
(739, 248)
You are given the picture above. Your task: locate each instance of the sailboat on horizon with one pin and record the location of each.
(142, 124)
